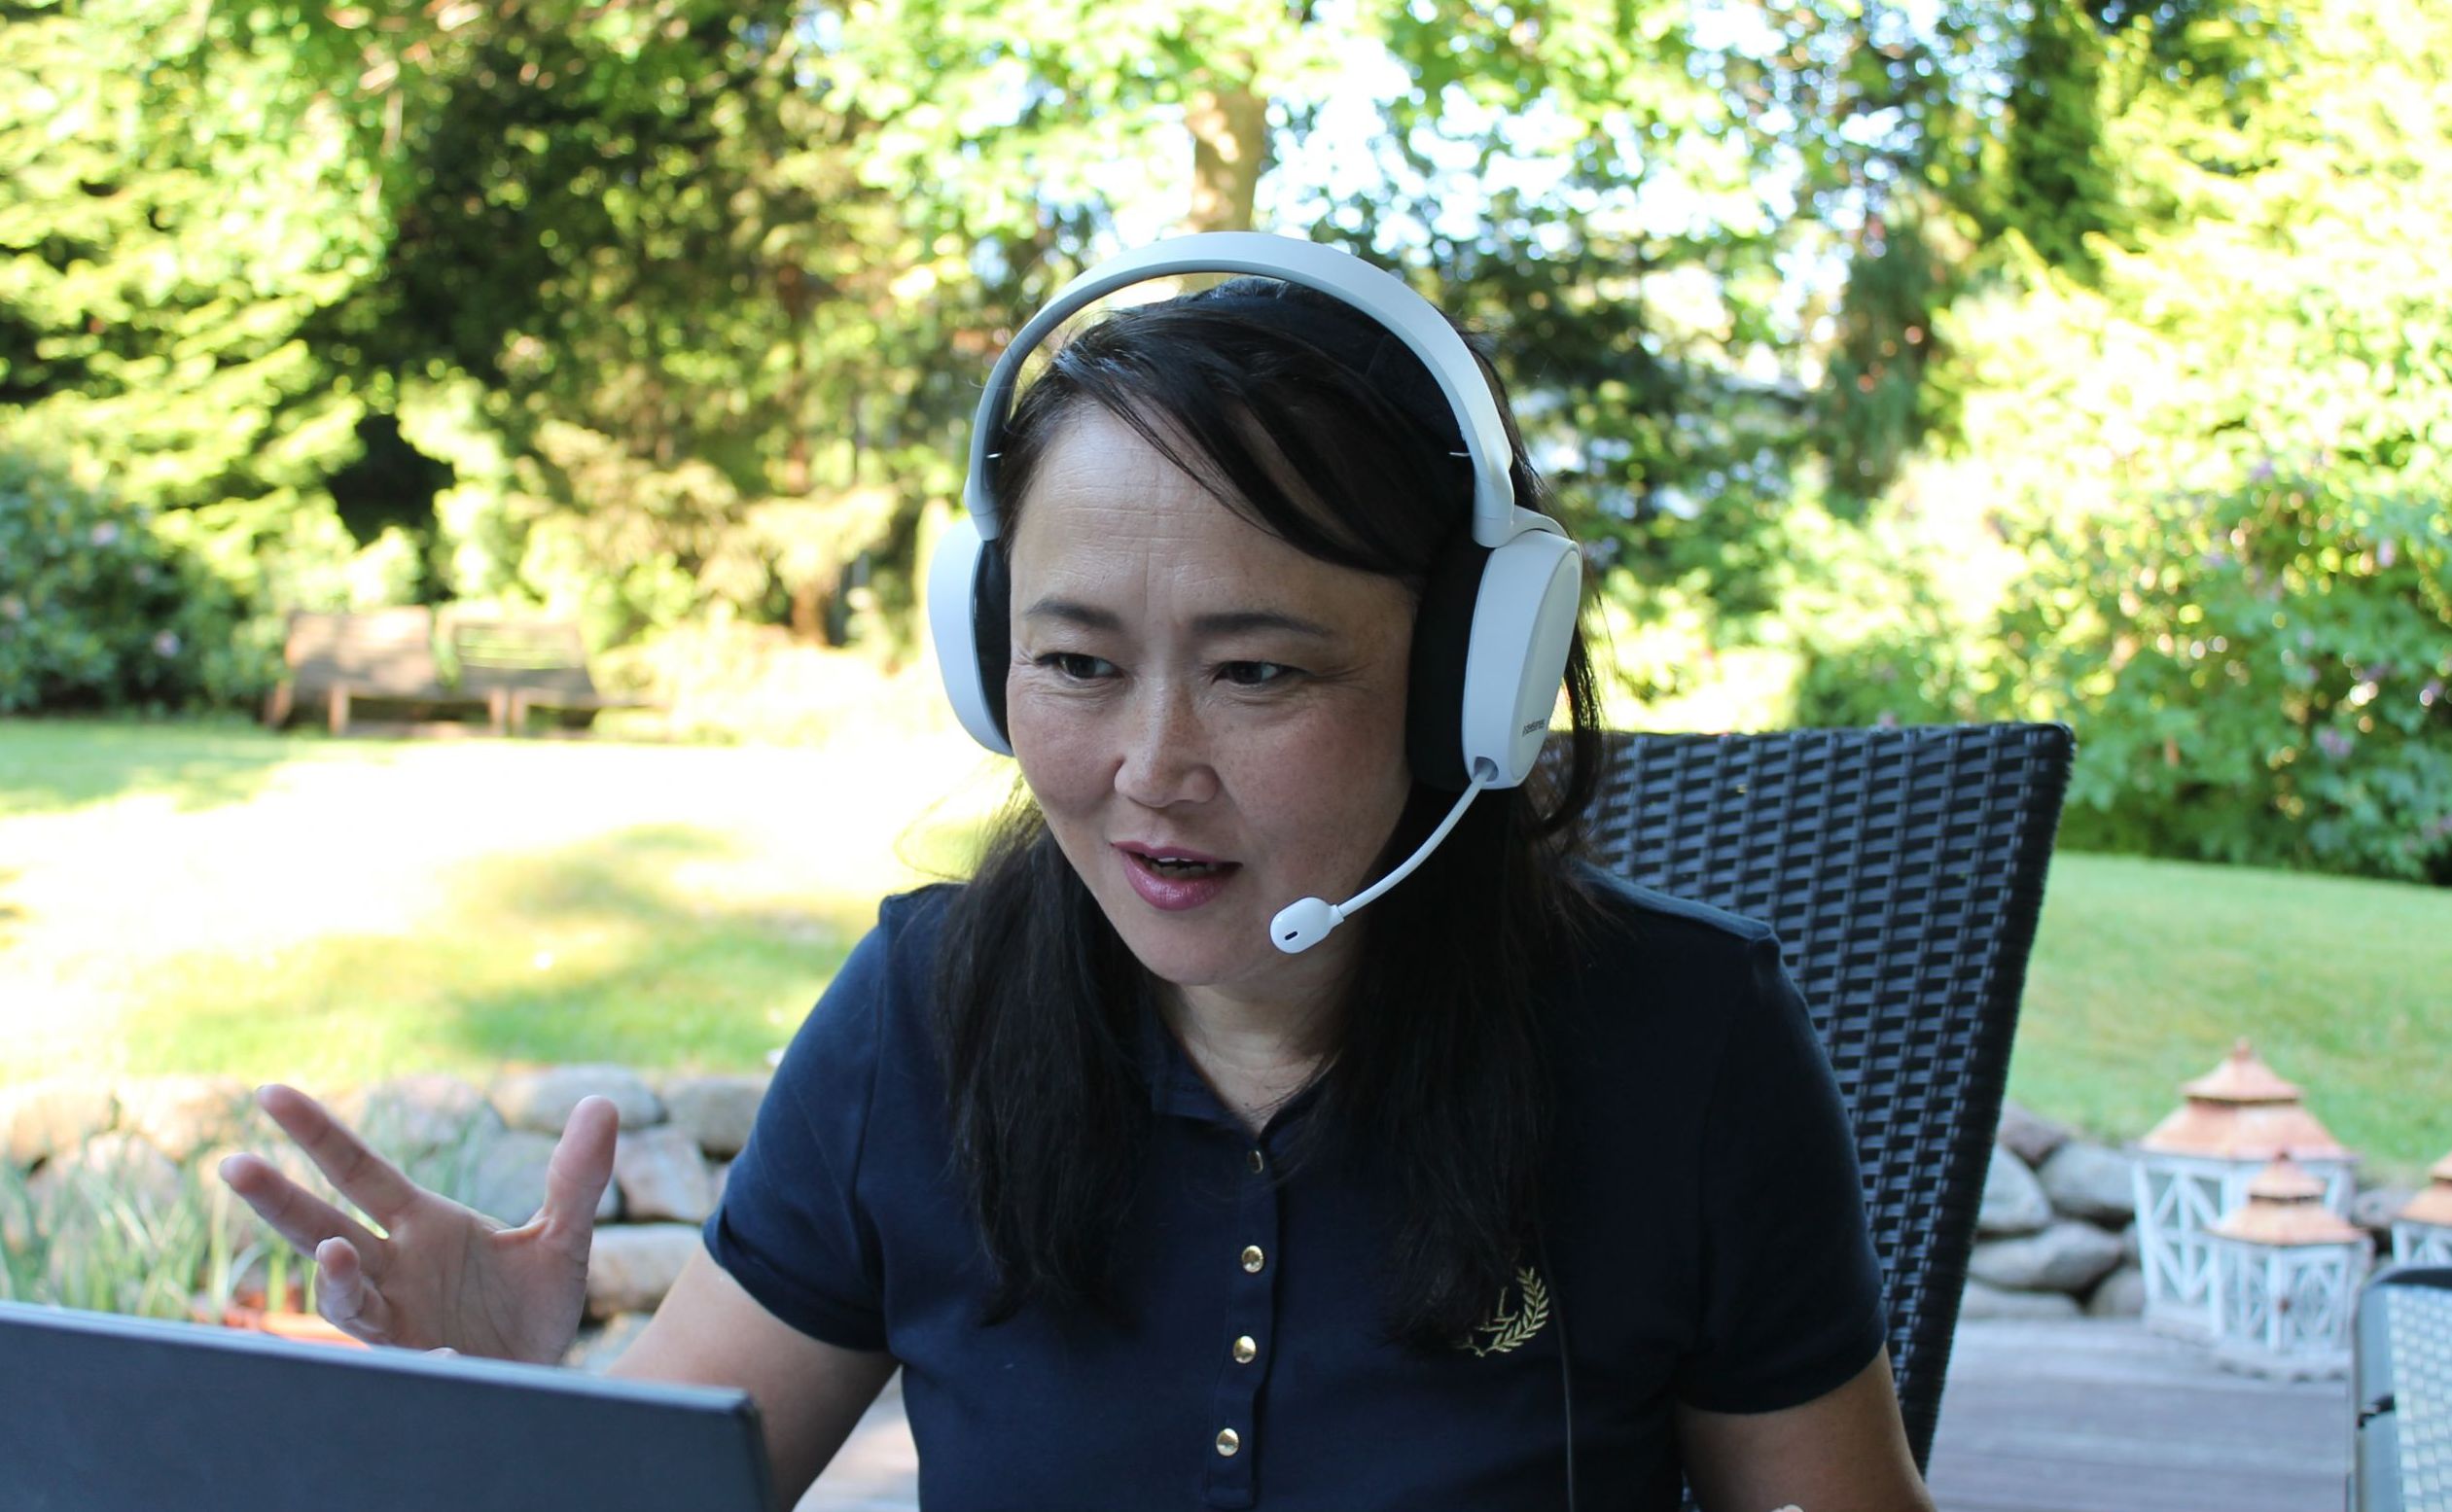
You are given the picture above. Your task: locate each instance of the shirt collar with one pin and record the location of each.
(1177, 1090)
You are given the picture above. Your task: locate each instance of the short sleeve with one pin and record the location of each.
(790, 1228)
(1792, 1290)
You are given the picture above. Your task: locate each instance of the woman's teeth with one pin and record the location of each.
(1176, 866)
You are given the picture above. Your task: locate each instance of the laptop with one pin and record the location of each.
(107, 1413)
(2400, 1385)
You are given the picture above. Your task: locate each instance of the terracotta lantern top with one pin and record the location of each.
(2286, 1206)
(2242, 1078)
(2241, 1110)
(2434, 1201)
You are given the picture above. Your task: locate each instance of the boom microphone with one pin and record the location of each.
(1308, 921)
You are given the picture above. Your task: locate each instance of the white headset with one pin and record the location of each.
(1508, 597)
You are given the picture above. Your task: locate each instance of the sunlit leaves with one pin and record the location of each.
(2230, 457)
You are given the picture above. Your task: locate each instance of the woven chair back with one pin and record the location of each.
(1902, 869)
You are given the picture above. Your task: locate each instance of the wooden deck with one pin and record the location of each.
(2104, 1416)
(2083, 1417)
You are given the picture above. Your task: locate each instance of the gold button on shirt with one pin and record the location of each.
(1228, 1441)
(1253, 1259)
(1246, 1351)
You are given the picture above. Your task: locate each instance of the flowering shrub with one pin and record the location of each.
(2257, 674)
(98, 612)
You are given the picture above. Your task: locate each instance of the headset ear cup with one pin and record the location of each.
(992, 635)
(972, 638)
(1434, 695)
(1524, 630)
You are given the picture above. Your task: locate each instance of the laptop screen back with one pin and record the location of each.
(100, 1413)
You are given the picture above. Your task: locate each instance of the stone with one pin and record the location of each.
(2132, 1245)
(108, 1168)
(2013, 1200)
(596, 1349)
(505, 1179)
(39, 1119)
(2030, 1136)
(718, 1175)
(717, 1111)
(2068, 1256)
(540, 1101)
(20, 1220)
(2089, 1181)
(1981, 1300)
(662, 1176)
(2120, 1294)
(2374, 1208)
(413, 1120)
(634, 1264)
(183, 1115)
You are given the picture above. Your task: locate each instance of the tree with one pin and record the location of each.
(2227, 457)
(169, 259)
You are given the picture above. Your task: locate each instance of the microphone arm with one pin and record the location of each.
(1308, 921)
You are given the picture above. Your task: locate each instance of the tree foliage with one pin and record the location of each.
(2226, 456)
(180, 227)
(96, 611)
(1957, 360)
(2262, 674)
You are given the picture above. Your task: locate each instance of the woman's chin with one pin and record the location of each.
(1204, 947)
(1206, 959)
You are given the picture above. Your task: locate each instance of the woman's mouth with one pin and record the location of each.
(1174, 880)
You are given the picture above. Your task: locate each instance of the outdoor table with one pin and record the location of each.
(2402, 1394)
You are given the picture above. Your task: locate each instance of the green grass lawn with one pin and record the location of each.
(210, 897)
(2145, 972)
(213, 898)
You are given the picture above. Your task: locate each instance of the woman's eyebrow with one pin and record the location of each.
(1072, 613)
(1243, 621)
(1224, 622)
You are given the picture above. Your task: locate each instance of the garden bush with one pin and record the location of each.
(98, 610)
(2259, 674)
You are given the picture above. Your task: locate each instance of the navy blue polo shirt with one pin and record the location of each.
(1708, 1246)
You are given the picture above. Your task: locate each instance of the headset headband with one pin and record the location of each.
(1382, 296)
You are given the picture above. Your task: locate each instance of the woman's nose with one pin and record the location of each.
(1165, 759)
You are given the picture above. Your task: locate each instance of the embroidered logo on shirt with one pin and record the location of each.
(1522, 1307)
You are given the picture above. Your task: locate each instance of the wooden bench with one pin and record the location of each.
(533, 666)
(343, 663)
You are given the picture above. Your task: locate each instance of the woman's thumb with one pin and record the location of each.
(582, 1163)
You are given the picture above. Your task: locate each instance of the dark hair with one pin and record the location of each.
(1311, 420)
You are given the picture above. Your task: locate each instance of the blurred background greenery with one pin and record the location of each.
(2086, 360)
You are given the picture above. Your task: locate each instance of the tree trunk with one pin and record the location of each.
(792, 290)
(811, 607)
(1229, 140)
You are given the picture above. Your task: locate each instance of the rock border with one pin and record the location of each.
(157, 1141)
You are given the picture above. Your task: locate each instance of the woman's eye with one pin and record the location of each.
(1077, 666)
(1254, 674)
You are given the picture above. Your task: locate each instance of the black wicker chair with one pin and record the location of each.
(1902, 869)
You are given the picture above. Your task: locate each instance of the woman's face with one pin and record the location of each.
(1212, 721)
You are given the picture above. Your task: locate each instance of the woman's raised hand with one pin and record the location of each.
(440, 1274)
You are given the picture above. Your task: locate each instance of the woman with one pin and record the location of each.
(1523, 1188)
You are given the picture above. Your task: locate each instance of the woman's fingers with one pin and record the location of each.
(582, 1163)
(345, 1298)
(362, 1176)
(295, 1213)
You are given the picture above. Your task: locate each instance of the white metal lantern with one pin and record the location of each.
(2285, 1278)
(2196, 1166)
(2422, 1231)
